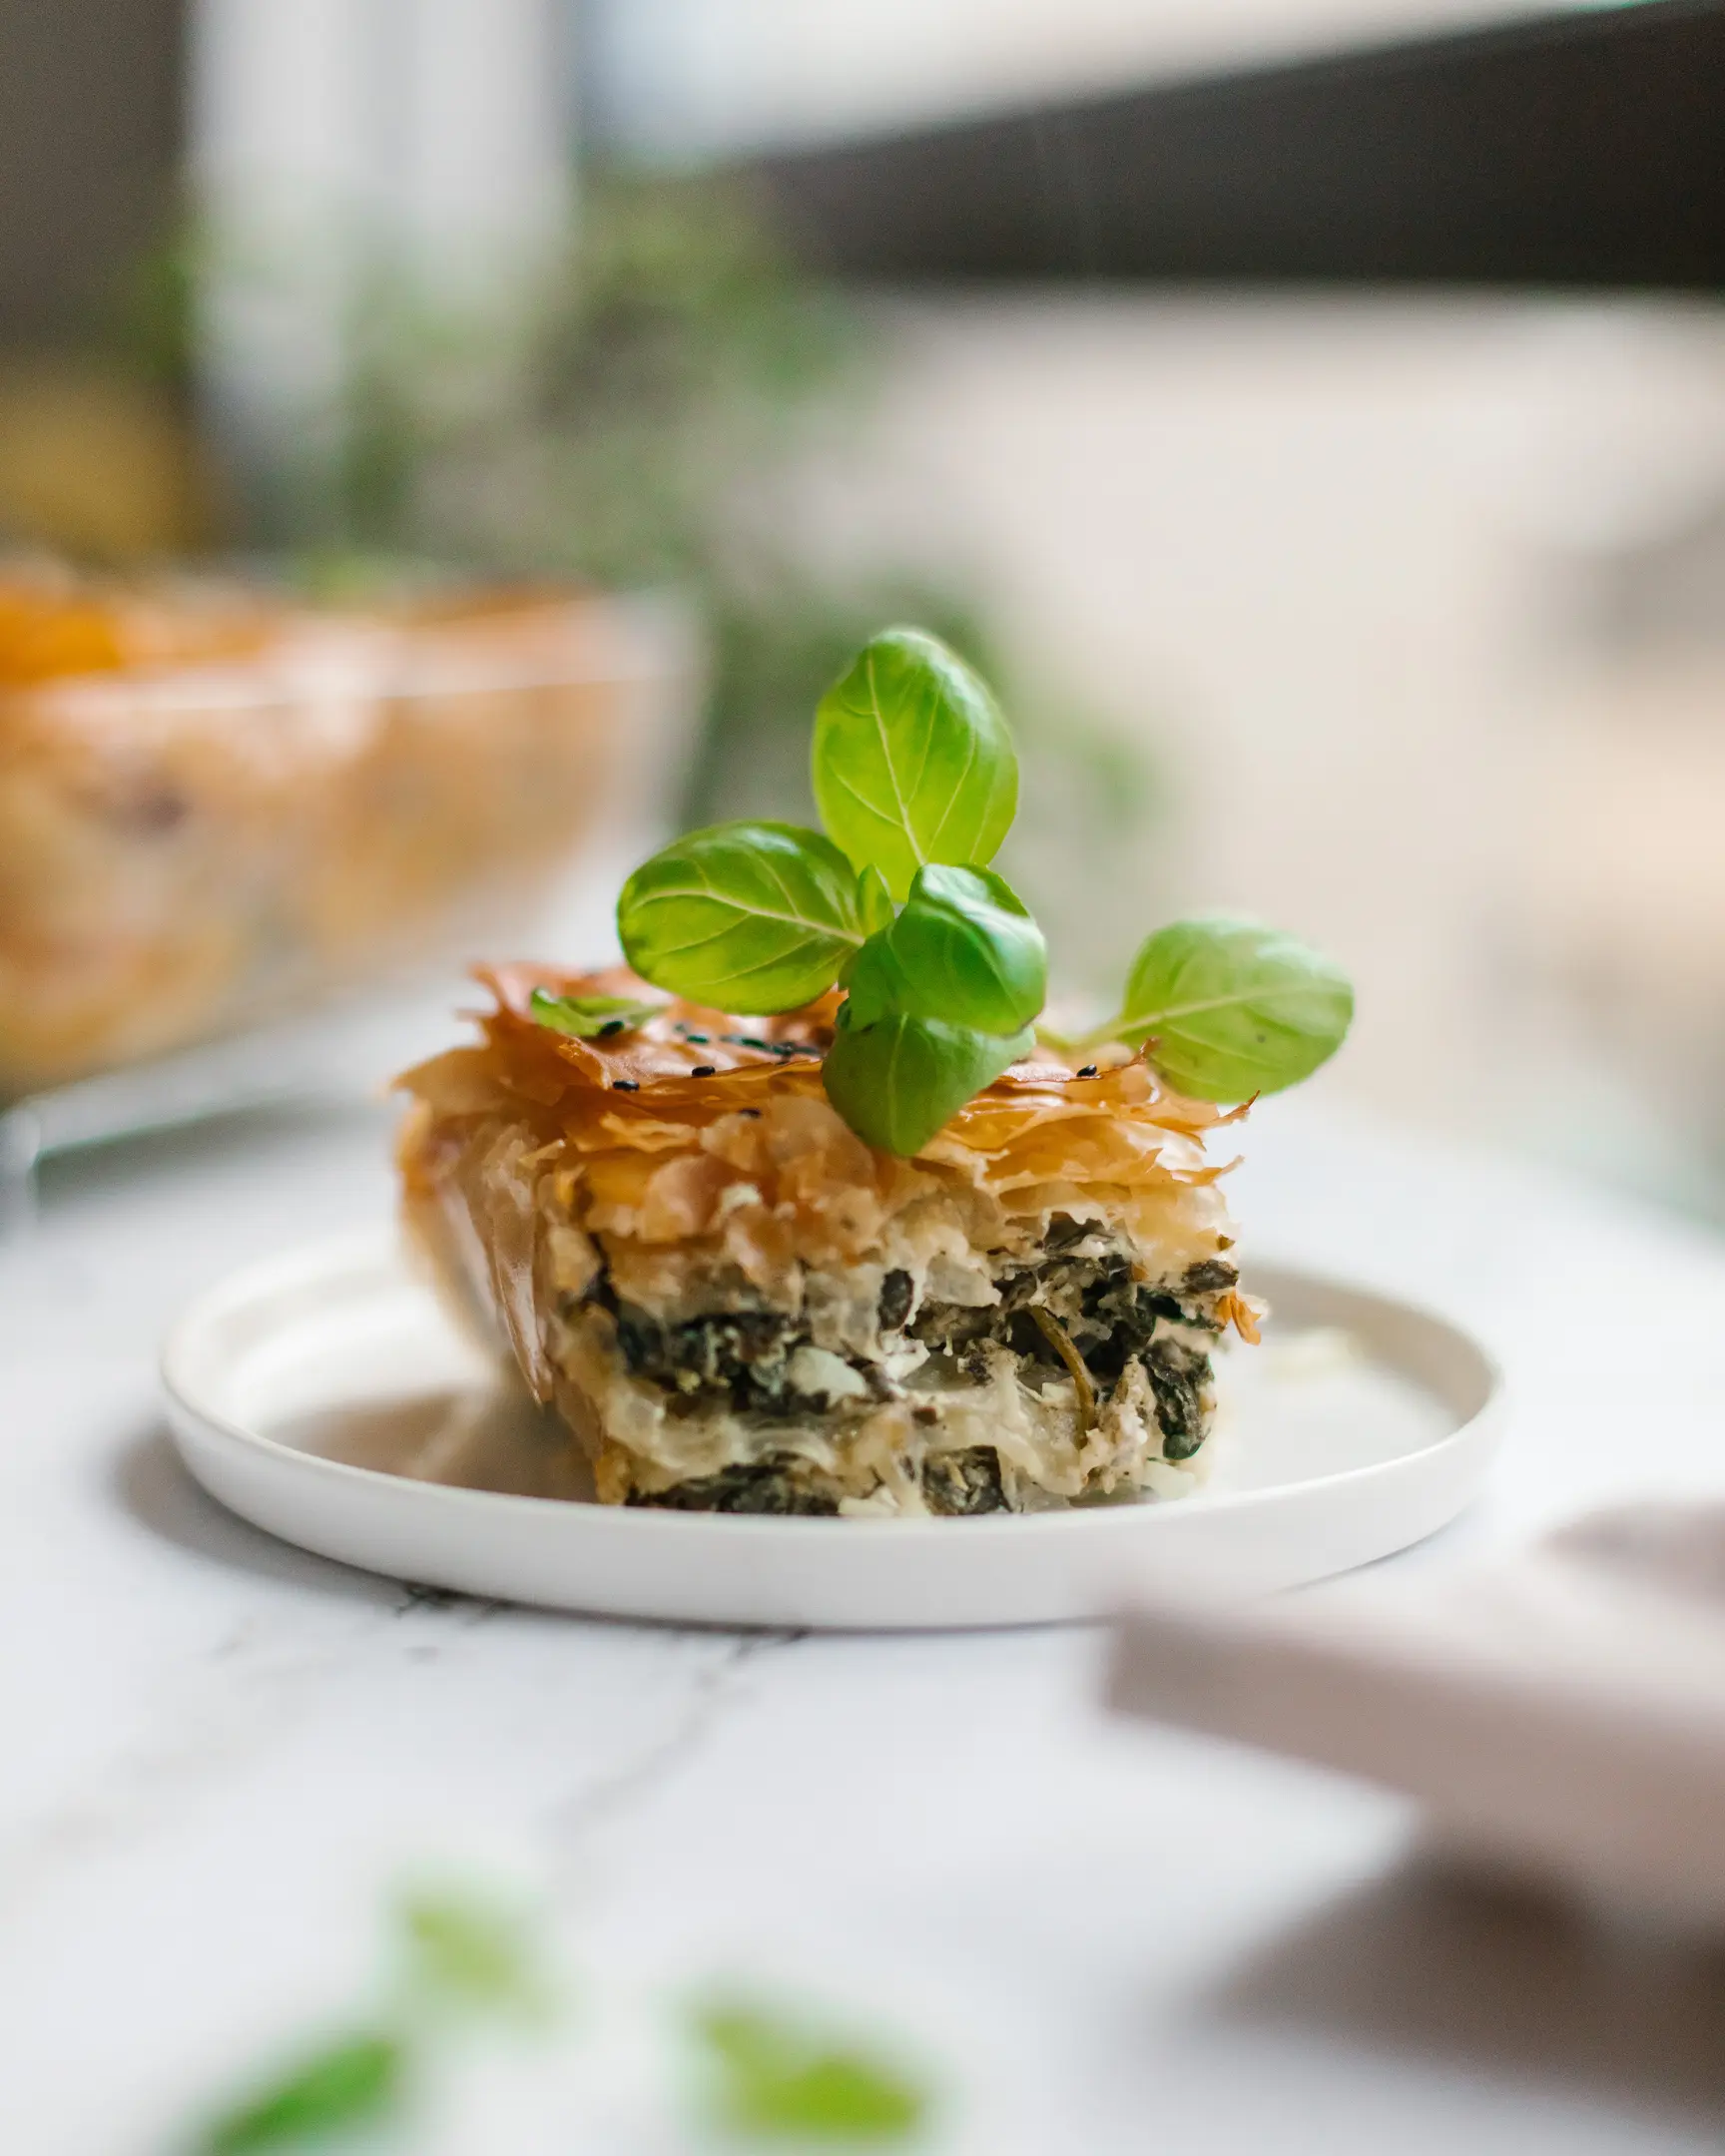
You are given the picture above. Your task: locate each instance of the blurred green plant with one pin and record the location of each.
(354, 2082)
(770, 2077)
(677, 351)
(622, 422)
(150, 314)
(467, 1955)
(593, 423)
(460, 1961)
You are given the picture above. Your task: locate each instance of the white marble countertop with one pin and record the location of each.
(218, 1753)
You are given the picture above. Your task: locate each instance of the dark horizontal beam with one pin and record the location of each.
(1574, 150)
(89, 147)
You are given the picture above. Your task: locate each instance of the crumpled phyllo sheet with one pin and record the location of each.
(751, 1168)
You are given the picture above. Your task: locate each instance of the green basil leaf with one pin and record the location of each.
(357, 2082)
(898, 1080)
(912, 761)
(1233, 1008)
(874, 900)
(742, 917)
(581, 1018)
(965, 949)
(776, 2079)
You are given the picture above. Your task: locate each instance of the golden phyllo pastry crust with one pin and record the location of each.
(737, 1305)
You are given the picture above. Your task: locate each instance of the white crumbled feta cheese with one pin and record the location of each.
(813, 1372)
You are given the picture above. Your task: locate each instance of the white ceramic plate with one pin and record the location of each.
(324, 1396)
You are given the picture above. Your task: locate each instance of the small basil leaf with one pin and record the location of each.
(965, 949)
(912, 761)
(357, 2082)
(776, 2079)
(581, 1018)
(1233, 1008)
(742, 917)
(899, 1079)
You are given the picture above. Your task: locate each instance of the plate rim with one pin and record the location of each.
(382, 1249)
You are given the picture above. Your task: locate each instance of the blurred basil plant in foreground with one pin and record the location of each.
(463, 1962)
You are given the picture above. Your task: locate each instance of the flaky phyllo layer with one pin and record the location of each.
(738, 1306)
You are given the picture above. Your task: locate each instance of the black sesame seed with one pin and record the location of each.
(611, 1025)
(751, 1115)
(624, 1085)
(702, 1070)
(748, 1041)
(1089, 1071)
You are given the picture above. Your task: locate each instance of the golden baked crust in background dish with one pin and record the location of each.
(215, 804)
(737, 1305)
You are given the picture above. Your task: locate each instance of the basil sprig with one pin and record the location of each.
(945, 971)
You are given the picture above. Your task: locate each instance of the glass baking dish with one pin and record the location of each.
(193, 846)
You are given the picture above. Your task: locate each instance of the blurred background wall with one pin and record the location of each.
(1397, 615)
(1355, 575)
(91, 109)
(92, 129)
(330, 142)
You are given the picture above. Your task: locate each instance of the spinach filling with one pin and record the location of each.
(742, 1358)
(1111, 1319)
(768, 1485)
(961, 1484)
(953, 1484)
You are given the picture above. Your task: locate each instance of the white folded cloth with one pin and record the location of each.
(1561, 1713)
